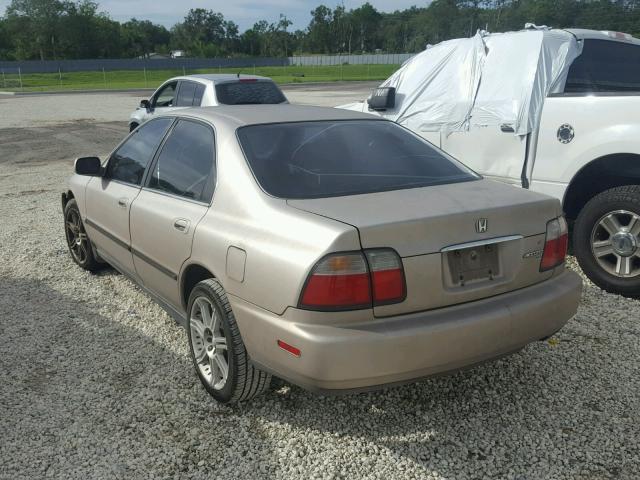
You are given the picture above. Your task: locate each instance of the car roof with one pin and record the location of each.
(219, 77)
(612, 36)
(240, 115)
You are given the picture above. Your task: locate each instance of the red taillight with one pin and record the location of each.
(347, 281)
(338, 281)
(387, 276)
(247, 80)
(556, 243)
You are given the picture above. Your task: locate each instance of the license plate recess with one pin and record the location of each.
(474, 264)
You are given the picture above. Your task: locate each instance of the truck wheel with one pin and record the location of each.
(218, 353)
(132, 127)
(606, 240)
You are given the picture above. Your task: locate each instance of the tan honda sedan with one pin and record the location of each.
(330, 248)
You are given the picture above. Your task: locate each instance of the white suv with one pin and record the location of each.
(206, 91)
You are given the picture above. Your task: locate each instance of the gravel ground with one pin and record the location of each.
(95, 379)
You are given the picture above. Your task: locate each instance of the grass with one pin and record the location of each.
(125, 79)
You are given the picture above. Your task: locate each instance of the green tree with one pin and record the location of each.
(35, 25)
(320, 39)
(366, 20)
(142, 37)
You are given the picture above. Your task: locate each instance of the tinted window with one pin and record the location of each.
(186, 165)
(331, 158)
(165, 97)
(605, 66)
(185, 95)
(128, 163)
(249, 93)
(197, 97)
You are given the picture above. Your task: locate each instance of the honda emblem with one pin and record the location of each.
(482, 225)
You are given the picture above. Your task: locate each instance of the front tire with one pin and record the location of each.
(606, 240)
(217, 350)
(78, 241)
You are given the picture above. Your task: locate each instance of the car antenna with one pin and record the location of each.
(239, 72)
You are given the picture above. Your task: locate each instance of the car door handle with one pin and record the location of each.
(507, 128)
(181, 224)
(123, 202)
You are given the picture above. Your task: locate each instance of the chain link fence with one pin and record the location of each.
(110, 76)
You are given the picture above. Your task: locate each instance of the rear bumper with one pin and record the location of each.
(366, 354)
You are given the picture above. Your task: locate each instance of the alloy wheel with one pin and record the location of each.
(615, 243)
(209, 342)
(76, 236)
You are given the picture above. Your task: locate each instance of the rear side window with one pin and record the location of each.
(128, 162)
(605, 66)
(197, 96)
(186, 94)
(249, 92)
(333, 158)
(186, 164)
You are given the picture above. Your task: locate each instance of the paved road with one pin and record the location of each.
(48, 109)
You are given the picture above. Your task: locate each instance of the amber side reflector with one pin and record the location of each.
(289, 348)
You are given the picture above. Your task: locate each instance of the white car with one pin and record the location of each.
(206, 91)
(554, 111)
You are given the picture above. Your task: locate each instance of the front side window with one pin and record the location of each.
(605, 66)
(186, 164)
(333, 158)
(128, 162)
(249, 92)
(166, 96)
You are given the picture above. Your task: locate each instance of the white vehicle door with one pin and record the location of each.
(519, 71)
(493, 151)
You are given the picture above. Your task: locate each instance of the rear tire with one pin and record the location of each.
(78, 241)
(606, 240)
(132, 127)
(217, 350)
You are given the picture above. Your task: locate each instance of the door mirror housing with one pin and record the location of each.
(146, 104)
(88, 166)
(382, 99)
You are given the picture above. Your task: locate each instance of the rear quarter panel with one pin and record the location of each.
(281, 243)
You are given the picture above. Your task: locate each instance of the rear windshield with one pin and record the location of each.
(249, 93)
(333, 158)
(605, 66)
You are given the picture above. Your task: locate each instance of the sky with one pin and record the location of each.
(244, 12)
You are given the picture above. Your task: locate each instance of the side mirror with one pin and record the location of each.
(382, 99)
(89, 166)
(145, 104)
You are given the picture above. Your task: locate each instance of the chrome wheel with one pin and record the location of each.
(615, 242)
(209, 342)
(76, 236)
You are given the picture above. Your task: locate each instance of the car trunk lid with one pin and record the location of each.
(458, 242)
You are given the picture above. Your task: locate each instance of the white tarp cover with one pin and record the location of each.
(489, 79)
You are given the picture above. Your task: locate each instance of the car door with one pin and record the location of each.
(108, 198)
(491, 150)
(176, 195)
(164, 99)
